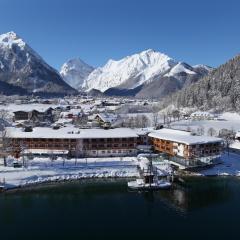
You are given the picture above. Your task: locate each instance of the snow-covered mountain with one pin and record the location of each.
(115, 73)
(23, 71)
(75, 71)
(136, 72)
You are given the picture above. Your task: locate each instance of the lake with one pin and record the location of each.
(203, 208)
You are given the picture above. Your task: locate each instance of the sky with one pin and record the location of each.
(192, 31)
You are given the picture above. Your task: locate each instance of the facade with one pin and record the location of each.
(183, 145)
(105, 119)
(74, 141)
(34, 115)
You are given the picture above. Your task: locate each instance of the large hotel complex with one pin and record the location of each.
(111, 142)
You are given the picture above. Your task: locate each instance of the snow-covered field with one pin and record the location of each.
(229, 121)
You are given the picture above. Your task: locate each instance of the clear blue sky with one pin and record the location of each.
(96, 30)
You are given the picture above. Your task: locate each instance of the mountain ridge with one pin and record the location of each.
(147, 69)
(22, 67)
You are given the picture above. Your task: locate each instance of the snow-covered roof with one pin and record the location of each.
(71, 133)
(182, 137)
(106, 117)
(27, 107)
(199, 113)
(63, 120)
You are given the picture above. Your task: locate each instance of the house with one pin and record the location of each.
(33, 115)
(21, 115)
(105, 119)
(202, 116)
(182, 146)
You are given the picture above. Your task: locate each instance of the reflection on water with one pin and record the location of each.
(106, 209)
(193, 194)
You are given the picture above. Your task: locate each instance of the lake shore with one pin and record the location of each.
(42, 171)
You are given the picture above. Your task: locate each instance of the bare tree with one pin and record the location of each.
(176, 115)
(78, 151)
(228, 137)
(52, 157)
(155, 119)
(212, 132)
(200, 131)
(5, 145)
(155, 115)
(189, 129)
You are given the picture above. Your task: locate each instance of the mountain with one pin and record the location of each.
(129, 72)
(146, 74)
(219, 90)
(25, 72)
(75, 71)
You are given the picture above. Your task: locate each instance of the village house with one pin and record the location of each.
(105, 120)
(33, 115)
(202, 116)
(183, 147)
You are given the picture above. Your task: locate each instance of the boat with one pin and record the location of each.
(139, 184)
(149, 179)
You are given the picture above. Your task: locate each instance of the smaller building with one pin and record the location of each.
(202, 116)
(105, 120)
(33, 115)
(184, 147)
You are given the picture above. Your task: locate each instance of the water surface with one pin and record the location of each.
(204, 208)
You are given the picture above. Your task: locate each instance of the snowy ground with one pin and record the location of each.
(229, 121)
(230, 166)
(42, 170)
